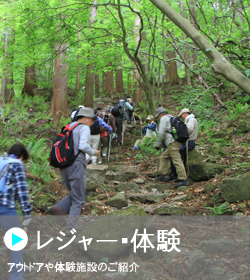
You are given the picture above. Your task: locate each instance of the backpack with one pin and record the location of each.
(117, 110)
(5, 163)
(181, 133)
(95, 128)
(106, 118)
(73, 115)
(62, 150)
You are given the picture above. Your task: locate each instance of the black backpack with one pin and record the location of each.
(106, 118)
(62, 150)
(95, 128)
(117, 110)
(181, 129)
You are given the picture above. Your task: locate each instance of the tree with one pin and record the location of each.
(220, 64)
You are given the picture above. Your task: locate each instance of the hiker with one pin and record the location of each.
(109, 119)
(73, 116)
(119, 112)
(148, 130)
(17, 189)
(129, 110)
(99, 111)
(172, 151)
(192, 126)
(96, 129)
(74, 176)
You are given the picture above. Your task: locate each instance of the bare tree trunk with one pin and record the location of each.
(172, 69)
(97, 85)
(78, 73)
(7, 91)
(89, 90)
(90, 75)
(30, 86)
(104, 83)
(60, 94)
(220, 64)
(110, 83)
(138, 92)
(129, 84)
(119, 81)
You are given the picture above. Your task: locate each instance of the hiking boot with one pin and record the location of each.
(174, 180)
(55, 210)
(162, 178)
(182, 183)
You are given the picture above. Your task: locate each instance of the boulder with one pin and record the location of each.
(127, 186)
(200, 170)
(196, 261)
(236, 189)
(120, 175)
(158, 187)
(119, 201)
(96, 172)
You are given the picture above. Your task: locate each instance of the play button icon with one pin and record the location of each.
(15, 239)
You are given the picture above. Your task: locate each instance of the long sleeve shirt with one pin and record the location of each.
(192, 126)
(165, 125)
(103, 124)
(16, 182)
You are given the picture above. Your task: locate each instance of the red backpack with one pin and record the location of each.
(62, 150)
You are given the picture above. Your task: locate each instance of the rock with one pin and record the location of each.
(219, 246)
(155, 198)
(200, 170)
(182, 189)
(131, 210)
(42, 202)
(236, 189)
(159, 187)
(196, 261)
(244, 126)
(139, 181)
(127, 186)
(137, 197)
(120, 176)
(102, 196)
(169, 210)
(96, 172)
(181, 197)
(119, 201)
(91, 186)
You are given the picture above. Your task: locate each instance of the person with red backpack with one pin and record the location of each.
(74, 176)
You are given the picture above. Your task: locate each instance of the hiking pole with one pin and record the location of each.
(122, 131)
(110, 138)
(141, 126)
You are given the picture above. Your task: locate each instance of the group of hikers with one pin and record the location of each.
(90, 128)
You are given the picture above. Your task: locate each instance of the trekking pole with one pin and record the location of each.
(141, 126)
(110, 139)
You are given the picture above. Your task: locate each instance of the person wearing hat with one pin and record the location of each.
(172, 151)
(74, 176)
(148, 130)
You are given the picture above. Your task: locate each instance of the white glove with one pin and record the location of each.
(26, 221)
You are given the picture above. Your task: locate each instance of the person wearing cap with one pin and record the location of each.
(192, 126)
(148, 130)
(73, 115)
(74, 176)
(172, 151)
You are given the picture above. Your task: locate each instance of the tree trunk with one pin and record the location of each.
(104, 83)
(172, 69)
(129, 84)
(78, 73)
(97, 86)
(138, 91)
(110, 84)
(119, 81)
(30, 86)
(60, 95)
(90, 75)
(89, 90)
(220, 64)
(7, 91)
